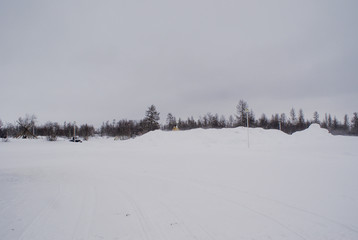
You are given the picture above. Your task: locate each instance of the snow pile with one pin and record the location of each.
(197, 184)
(314, 130)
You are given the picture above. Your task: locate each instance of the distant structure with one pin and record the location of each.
(24, 130)
(175, 128)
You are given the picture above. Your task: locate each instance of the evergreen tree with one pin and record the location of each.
(205, 122)
(2, 131)
(329, 123)
(252, 118)
(214, 121)
(192, 123)
(283, 121)
(315, 117)
(354, 126)
(301, 119)
(151, 119)
(335, 123)
(346, 123)
(274, 122)
(181, 124)
(171, 122)
(263, 121)
(324, 124)
(222, 122)
(86, 131)
(231, 122)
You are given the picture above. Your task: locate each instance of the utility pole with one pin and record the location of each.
(74, 131)
(279, 124)
(247, 119)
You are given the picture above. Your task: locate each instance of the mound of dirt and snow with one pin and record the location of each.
(197, 184)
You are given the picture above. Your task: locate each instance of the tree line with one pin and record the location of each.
(296, 121)
(289, 124)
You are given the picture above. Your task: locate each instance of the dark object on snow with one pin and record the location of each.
(3, 134)
(73, 139)
(52, 138)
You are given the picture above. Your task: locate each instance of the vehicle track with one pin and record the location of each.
(209, 185)
(253, 210)
(28, 233)
(180, 220)
(85, 217)
(147, 227)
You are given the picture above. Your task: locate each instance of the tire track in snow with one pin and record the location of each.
(186, 228)
(273, 201)
(44, 211)
(36, 186)
(253, 210)
(85, 216)
(9, 226)
(17, 200)
(180, 221)
(202, 230)
(143, 219)
(279, 202)
(286, 205)
(267, 216)
(147, 229)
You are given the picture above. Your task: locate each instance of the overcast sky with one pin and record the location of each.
(92, 61)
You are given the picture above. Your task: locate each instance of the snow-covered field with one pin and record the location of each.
(197, 184)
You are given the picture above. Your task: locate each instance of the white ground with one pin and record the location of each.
(198, 184)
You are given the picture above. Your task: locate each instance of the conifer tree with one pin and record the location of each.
(301, 118)
(354, 126)
(263, 121)
(151, 119)
(315, 117)
(346, 123)
(171, 122)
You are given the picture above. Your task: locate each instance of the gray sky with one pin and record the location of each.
(92, 61)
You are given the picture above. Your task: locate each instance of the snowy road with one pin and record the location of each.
(201, 184)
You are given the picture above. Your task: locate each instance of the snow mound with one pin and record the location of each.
(314, 130)
(210, 139)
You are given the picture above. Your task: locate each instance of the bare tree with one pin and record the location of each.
(293, 116)
(241, 109)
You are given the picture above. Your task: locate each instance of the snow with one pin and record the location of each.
(197, 184)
